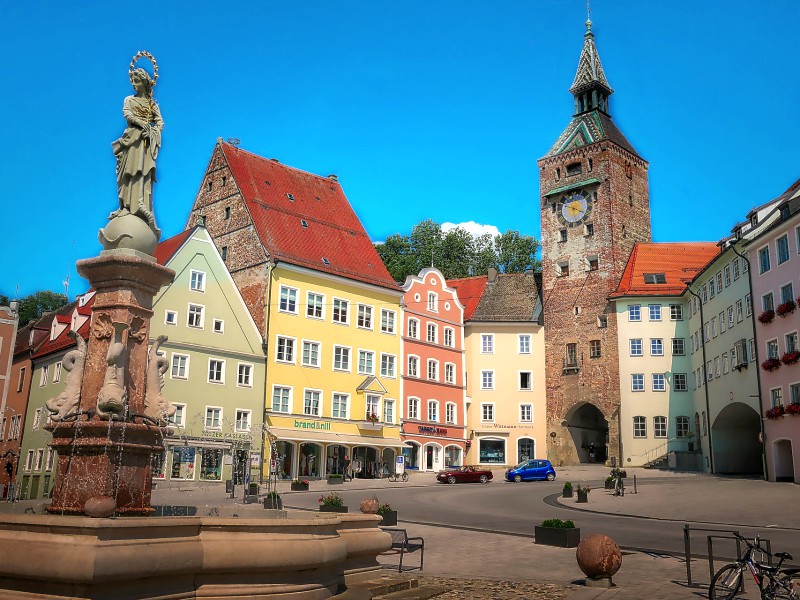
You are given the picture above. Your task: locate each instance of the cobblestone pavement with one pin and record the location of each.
(489, 589)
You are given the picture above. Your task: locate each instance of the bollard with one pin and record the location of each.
(634, 484)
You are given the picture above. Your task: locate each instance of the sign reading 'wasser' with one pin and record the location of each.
(312, 425)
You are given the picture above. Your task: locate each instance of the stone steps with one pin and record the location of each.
(397, 588)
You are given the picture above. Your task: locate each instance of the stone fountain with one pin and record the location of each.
(112, 418)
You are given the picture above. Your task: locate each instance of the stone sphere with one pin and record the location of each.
(128, 232)
(100, 506)
(598, 556)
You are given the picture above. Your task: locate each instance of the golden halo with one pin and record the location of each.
(148, 56)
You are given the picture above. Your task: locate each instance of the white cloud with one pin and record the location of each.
(476, 229)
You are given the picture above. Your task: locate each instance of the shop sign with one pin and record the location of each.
(501, 426)
(312, 425)
(220, 435)
(429, 429)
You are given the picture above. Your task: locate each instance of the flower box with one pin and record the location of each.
(335, 509)
(300, 487)
(766, 317)
(566, 493)
(273, 502)
(335, 480)
(786, 308)
(557, 536)
(583, 497)
(389, 518)
(790, 358)
(793, 409)
(771, 364)
(776, 412)
(370, 426)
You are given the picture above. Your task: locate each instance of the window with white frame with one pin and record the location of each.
(782, 245)
(366, 362)
(21, 379)
(727, 271)
(195, 316)
(487, 343)
(413, 366)
(791, 342)
(433, 370)
(373, 406)
(432, 334)
(178, 418)
(339, 408)
(450, 413)
(525, 381)
(37, 419)
(288, 300)
(524, 343)
(243, 419)
(388, 410)
(281, 396)
(713, 327)
(216, 370)
(637, 382)
(413, 408)
(449, 373)
(722, 322)
(660, 427)
(659, 382)
(751, 344)
(763, 260)
(730, 317)
(312, 401)
(170, 317)
(213, 417)
(719, 282)
(341, 358)
(388, 365)
(387, 321)
(636, 346)
(29, 460)
(413, 328)
(310, 356)
(433, 410)
(433, 302)
(794, 393)
(776, 396)
(634, 312)
(487, 380)
(48, 464)
(487, 412)
(245, 375)
(365, 316)
(710, 370)
(679, 382)
(314, 306)
(748, 305)
(197, 281)
(655, 312)
(219, 326)
(595, 349)
(39, 459)
(787, 293)
(639, 427)
(340, 311)
(739, 311)
(711, 292)
(526, 413)
(678, 347)
(772, 349)
(675, 312)
(284, 350)
(449, 337)
(57, 372)
(44, 375)
(717, 370)
(682, 426)
(735, 265)
(725, 366)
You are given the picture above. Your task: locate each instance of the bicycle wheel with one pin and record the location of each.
(781, 588)
(726, 583)
(393, 478)
(405, 477)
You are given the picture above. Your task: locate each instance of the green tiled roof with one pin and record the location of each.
(572, 186)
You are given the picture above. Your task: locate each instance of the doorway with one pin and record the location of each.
(588, 429)
(784, 461)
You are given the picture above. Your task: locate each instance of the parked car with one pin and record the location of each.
(530, 470)
(466, 474)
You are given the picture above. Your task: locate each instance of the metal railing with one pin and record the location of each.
(714, 534)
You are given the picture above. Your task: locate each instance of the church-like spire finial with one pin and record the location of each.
(588, 17)
(590, 87)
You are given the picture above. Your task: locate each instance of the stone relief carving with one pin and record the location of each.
(112, 400)
(68, 402)
(156, 406)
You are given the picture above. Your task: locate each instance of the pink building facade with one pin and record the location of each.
(775, 271)
(434, 415)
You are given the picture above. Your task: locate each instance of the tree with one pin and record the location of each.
(516, 253)
(32, 307)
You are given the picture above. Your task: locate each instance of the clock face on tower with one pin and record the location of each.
(574, 208)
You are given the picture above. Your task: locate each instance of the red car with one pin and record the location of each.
(464, 475)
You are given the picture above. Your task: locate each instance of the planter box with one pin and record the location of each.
(273, 503)
(369, 426)
(558, 536)
(389, 518)
(583, 497)
(299, 487)
(610, 485)
(566, 493)
(336, 509)
(335, 480)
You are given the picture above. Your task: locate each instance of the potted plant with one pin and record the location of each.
(300, 485)
(335, 479)
(793, 409)
(776, 412)
(332, 502)
(369, 506)
(786, 308)
(567, 491)
(372, 418)
(790, 357)
(583, 493)
(273, 501)
(390, 516)
(555, 532)
(771, 364)
(609, 483)
(766, 317)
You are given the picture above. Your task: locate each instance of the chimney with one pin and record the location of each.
(333, 177)
(492, 273)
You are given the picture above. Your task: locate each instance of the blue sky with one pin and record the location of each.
(424, 109)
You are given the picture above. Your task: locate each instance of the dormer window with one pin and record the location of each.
(290, 197)
(651, 278)
(574, 169)
(754, 220)
(325, 261)
(304, 223)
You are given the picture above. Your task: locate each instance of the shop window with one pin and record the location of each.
(492, 451)
(211, 464)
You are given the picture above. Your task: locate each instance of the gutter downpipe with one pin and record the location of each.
(705, 382)
(755, 357)
(265, 347)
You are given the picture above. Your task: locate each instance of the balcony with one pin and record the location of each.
(370, 425)
(571, 365)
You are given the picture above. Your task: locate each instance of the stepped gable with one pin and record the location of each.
(305, 219)
(679, 262)
(470, 291)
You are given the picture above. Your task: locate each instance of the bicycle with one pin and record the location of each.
(619, 484)
(774, 583)
(396, 476)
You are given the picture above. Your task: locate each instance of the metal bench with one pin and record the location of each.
(402, 544)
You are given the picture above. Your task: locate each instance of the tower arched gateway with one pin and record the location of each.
(594, 206)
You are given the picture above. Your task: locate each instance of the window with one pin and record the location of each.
(739, 311)
(450, 413)
(725, 364)
(314, 306)
(311, 402)
(39, 459)
(373, 406)
(388, 411)
(388, 365)
(413, 408)
(717, 371)
(730, 317)
(179, 417)
(791, 342)
(678, 347)
(57, 372)
(714, 327)
(449, 337)
(722, 322)
(704, 294)
(216, 371)
(487, 343)
(288, 300)
(634, 312)
(525, 380)
(776, 395)
(636, 346)
(562, 235)
(413, 366)
(413, 328)
(594, 349)
(675, 312)
(180, 366)
(487, 412)
(195, 316)
(782, 245)
(588, 229)
(242, 420)
(659, 382)
(433, 370)
(525, 344)
(637, 382)
(660, 427)
(787, 294)
(571, 359)
(341, 358)
(574, 169)
(794, 393)
(433, 410)
(655, 312)
(432, 333)
(223, 252)
(526, 413)
(709, 371)
(719, 282)
(227, 208)
(170, 317)
(651, 278)
(310, 354)
(364, 316)
(387, 321)
(748, 305)
(682, 427)
(735, 265)
(285, 350)
(43, 376)
(763, 260)
(679, 383)
(487, 380)
(21, 380)
(280, 398)
(365, 362)
(339, 409)
(48, 465)
(772, 349)
(639, 427)
(711, 292)
(340, 311)
(37, 419)
(197, 281)
(432, 302)
(29, 460)
(563, 267)
(449, 373)
(213, 417)
(602, 322)
(592, 263)
(727, 272)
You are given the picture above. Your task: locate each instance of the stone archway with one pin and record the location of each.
(588, 430)
(734, 440)
(784, 461)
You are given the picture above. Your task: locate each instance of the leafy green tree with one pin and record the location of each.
(34, 306)
(516, 253)
(398, 257)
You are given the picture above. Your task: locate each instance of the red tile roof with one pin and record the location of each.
(470, 291)
(281, 198)
(679, 262)
(168, 247)
(63, 341)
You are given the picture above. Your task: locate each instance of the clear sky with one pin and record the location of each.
(425, 109)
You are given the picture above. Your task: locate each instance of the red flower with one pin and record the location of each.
(766, 316)
(786, 308)
(793, 409)
(771, 364)
(775, 413)
(790, 357)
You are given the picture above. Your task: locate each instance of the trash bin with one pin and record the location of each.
(229, 486)
(253, 489)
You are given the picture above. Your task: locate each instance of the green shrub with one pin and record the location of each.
(334, 476)
(567, 485)
(558, 524)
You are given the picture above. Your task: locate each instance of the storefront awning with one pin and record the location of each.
(330, 437)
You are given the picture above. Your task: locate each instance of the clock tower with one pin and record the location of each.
(594, 207)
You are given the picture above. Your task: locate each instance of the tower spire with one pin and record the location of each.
(590, 86)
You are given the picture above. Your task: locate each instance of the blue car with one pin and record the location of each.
(531, 469)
